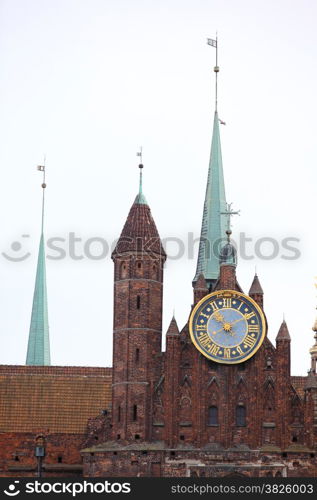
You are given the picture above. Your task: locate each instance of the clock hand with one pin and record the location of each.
(237, 320)
(229, 332)
(214, 333)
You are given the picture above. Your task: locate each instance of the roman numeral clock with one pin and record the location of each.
(227, 326)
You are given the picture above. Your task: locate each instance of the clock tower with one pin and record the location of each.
(221, 399)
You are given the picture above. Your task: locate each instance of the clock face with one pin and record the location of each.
(227, 326)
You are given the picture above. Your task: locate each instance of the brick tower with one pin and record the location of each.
(138, 289)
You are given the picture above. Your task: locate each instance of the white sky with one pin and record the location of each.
(89, 81)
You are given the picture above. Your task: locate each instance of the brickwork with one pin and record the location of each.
(53, 401)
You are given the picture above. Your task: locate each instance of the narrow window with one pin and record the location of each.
(123, 270)
(119, 413)
(135, 413)
(213, 415)
(137, 355)
(139, 265)
(138, 302)
(240, 416)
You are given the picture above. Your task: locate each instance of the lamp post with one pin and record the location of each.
(39, 453)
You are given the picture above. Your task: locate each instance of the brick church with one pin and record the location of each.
(220, 401)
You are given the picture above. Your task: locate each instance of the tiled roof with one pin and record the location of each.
(173, 328)
(55, 399)
(283, 333)
(139, 233)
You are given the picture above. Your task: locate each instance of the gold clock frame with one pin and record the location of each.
(228, 294)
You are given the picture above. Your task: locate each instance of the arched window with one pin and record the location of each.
(138, 302)
(213, 415)
(123, 270)
(241, 416)
(137, 355)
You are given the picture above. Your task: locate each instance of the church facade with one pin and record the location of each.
(220, 400)
(215, 403)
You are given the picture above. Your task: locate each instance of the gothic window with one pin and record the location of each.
(241, 416)
(138, 302)
(213, 415)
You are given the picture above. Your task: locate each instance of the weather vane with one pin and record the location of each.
(139, 154)
(41, 168)
(214, 43)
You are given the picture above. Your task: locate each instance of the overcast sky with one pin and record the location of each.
(86, 82)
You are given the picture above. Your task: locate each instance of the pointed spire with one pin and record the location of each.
(139, 233)
(38, 352)
(140, 198)
(213, 229)
(173, 328)
(256, 288)
(283, 333)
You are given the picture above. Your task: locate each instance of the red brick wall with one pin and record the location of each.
(17, 454)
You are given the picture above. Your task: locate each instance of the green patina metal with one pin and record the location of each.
(38, 352)
(213, 229)
(140, 198)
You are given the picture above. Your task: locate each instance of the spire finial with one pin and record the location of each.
(139, 154)
(214, 43)
(41, 168)
(38, 352)
(229, 213)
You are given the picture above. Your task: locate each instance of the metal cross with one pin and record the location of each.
(229, 213)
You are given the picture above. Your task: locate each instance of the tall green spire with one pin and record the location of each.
(213, 229)
(38, 352)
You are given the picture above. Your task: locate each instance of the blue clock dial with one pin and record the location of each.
(227, 326)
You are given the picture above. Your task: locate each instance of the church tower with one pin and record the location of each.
(38, 352)
(138, 291)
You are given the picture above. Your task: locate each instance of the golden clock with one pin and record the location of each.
(227, 326)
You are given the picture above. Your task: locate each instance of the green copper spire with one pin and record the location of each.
(39, 345)
(213, 229)
(140, 198)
